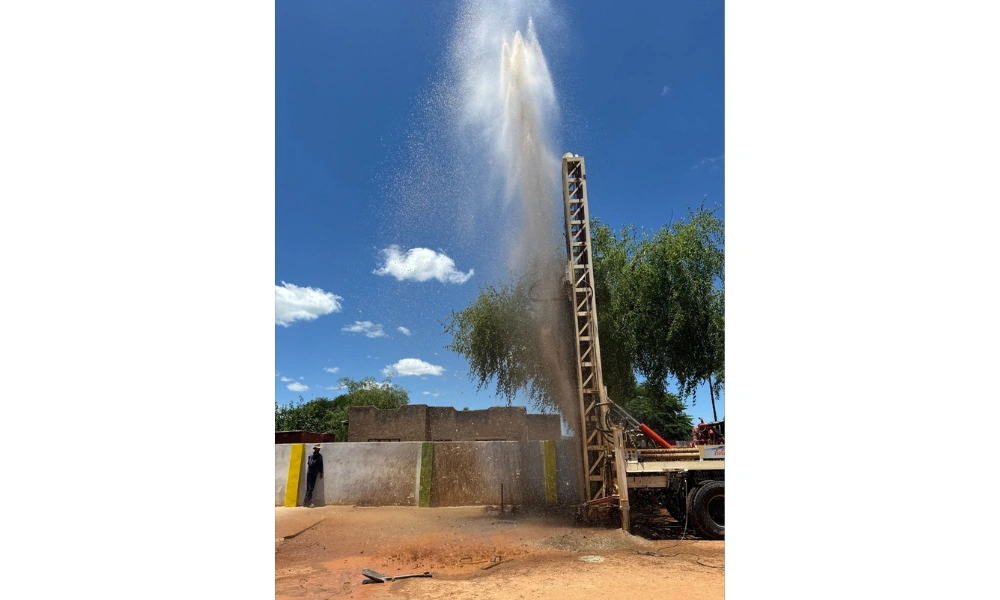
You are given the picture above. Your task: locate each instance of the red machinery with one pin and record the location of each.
(709, 434)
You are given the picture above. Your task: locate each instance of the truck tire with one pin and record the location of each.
(707, 510)
(689, 501)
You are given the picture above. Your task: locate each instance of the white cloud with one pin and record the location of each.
(403, 330)
(366, 327)
(337, 387)
(297, 387)
(412, 366)
(666, 90)
(713, 162)
(331, 369)
(293, 303)
(420, 264)
(427, 393)
(286, 379)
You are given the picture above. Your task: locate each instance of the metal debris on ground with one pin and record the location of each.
(697, 558)
(376, 577)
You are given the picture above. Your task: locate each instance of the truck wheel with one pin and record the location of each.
(690, 500)
(708, 510)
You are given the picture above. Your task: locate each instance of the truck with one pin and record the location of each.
(620, 455)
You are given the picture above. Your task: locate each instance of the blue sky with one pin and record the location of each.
(359, 181)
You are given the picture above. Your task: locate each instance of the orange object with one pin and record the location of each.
(652, 435)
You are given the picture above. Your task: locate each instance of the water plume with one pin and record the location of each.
(482, 173)
(508, 115)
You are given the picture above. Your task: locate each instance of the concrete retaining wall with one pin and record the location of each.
(544, 427)
(419, 422)
(369, 474)
(406, 423)
(282, 454)
(569, 470)
(470, 473)
(495, 423)
(456, 473)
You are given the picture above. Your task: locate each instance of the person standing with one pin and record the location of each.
(314, 469)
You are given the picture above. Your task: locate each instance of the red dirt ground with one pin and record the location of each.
(319, 553)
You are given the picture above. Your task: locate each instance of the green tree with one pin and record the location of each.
(369, 392)
(313, 415)
(660, 410)
(499, 335)
(615, 290)
(680, 307)
(661, 314)
(664, 298)
(322, 415)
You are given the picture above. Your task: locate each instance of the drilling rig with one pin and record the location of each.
(690, 480)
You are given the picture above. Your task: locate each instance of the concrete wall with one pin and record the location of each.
(282, 454)
(369, 474)
(417, 422)
(470, 473)
(569, 471)
(492, 424)
(406, 423)
(457, 474)
(544, 427)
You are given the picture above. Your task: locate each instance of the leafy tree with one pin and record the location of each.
(661, 410)
(313, 415)
(660, 308)
(500, 334)
(679, 309)
(663, 297)
(615, 293)
(322, 415)
(368, 392)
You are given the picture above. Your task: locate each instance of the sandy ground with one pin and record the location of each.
(473, 553)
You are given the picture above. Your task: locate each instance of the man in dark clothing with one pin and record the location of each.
(314, 469)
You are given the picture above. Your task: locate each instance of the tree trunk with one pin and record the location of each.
(712, 393)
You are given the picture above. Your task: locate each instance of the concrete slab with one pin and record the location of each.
(470, 473)
(369, 474)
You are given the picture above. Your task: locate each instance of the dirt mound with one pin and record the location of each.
(594, 540)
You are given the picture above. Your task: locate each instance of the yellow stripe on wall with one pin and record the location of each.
(426, 473)
(549, 450)
(294, 469)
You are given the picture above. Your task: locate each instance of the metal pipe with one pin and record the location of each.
(662, 443)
